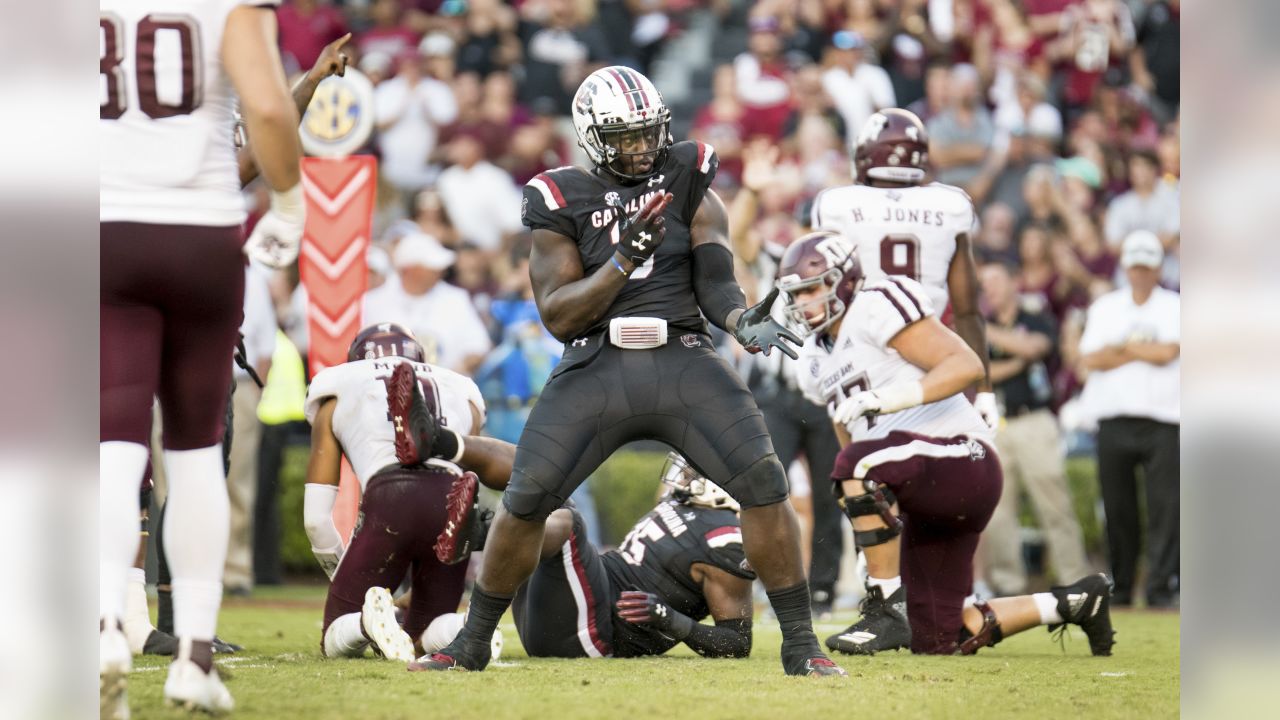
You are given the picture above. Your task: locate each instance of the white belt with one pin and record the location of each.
(638, 333)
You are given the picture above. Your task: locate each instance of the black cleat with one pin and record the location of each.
(808, 660)
(160, 643)
(883, 625)
(457, 655)
(1087, 603)
(466, 526)
(403, 394)
(222, 647)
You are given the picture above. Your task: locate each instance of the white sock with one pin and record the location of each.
(120, 469)
(137, 617)
(345, 638)
(196, 528)
(888, 586)
(1047, 604)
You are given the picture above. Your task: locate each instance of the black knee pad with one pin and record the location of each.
(763, 483)
(525, 498)
(878, 500)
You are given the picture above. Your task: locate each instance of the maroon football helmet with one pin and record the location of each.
(893, 146)
(823, 259)
(385, 340)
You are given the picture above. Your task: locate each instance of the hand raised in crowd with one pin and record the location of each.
(759, 165)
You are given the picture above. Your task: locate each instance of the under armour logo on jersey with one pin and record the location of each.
(656, 180)
(580, 342)
(644, 238)
(660, 611)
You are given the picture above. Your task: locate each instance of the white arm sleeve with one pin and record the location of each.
(317, 518)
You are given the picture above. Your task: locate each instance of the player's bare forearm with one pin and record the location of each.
(325, 464)
(569, 301)
(331, 62)
(490, 459)
(962, 280)
(252, 61)
(950, 365)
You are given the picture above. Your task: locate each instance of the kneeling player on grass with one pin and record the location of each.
(680, 563)
(891, 377)
(358, 409)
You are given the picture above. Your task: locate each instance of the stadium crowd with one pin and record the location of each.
(1058, 117)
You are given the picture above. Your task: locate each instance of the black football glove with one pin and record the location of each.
(643, 608)
(759, 332)
(642, 233)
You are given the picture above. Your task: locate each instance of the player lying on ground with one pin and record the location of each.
(891, 376)
(355, 410)
(680, 563)
(630, 262)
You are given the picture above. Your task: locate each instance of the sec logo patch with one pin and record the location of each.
(339, 119)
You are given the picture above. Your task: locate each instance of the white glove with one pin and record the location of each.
(276, 238)
(986, 405)
(855, 406)
(317, 518)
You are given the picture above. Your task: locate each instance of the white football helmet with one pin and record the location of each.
(621, 121)
(687, 486)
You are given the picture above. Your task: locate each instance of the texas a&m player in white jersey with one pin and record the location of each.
(905, 227)
(172, 289)
(891, 376)
(361, 409)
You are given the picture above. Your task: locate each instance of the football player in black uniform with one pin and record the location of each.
(628, 259)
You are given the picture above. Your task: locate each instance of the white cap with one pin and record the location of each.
(420, 249)
(436, 43)
(1142, 247)
(376, 63)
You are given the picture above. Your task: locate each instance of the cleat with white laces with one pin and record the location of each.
(114, 663)
(378, 620)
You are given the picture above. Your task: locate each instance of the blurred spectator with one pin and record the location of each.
(1131, 346)
(1150, 205)
(536, 148)
(474, 116)
(1156, 66)
(936, 78)
(1095, 35)
(560, 50)
(410, 109)
(437, 50)
(378, 66)
(960, 136)
(387, 36)
(1005, 49)
(491, 43)
(305, 27)
(811, 102)
(258, 330)
(908, 46)
(1039, 275)
(995, 235)
(1028, 112)
(857, 87)
(379, 268)
(432, 218)
(440, 315)
(501, 112)
(1029, 441)
(482, 201)
(722, 124)
(474, 272)
(763, 79)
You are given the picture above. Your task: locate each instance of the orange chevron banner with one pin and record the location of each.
(332, 265)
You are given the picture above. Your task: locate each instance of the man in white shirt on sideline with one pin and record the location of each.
(1131, 346)
(439, 315)
(856, 87)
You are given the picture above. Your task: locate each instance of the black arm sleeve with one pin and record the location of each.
(726, 639)
(714, 285)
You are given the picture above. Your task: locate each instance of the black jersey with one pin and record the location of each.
(657, 556)
(584, 206)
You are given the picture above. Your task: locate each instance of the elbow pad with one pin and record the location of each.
(714, 285)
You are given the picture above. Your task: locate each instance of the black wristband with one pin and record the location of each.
(679, 625)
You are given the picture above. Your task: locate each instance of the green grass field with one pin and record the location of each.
(282, 675)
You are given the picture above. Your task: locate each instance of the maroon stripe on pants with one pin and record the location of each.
(171, 301)
(945, 503)
(401, 514)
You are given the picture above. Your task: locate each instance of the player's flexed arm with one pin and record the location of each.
(729, 600)
(568, 300)
(717, 290)
(962, 282)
